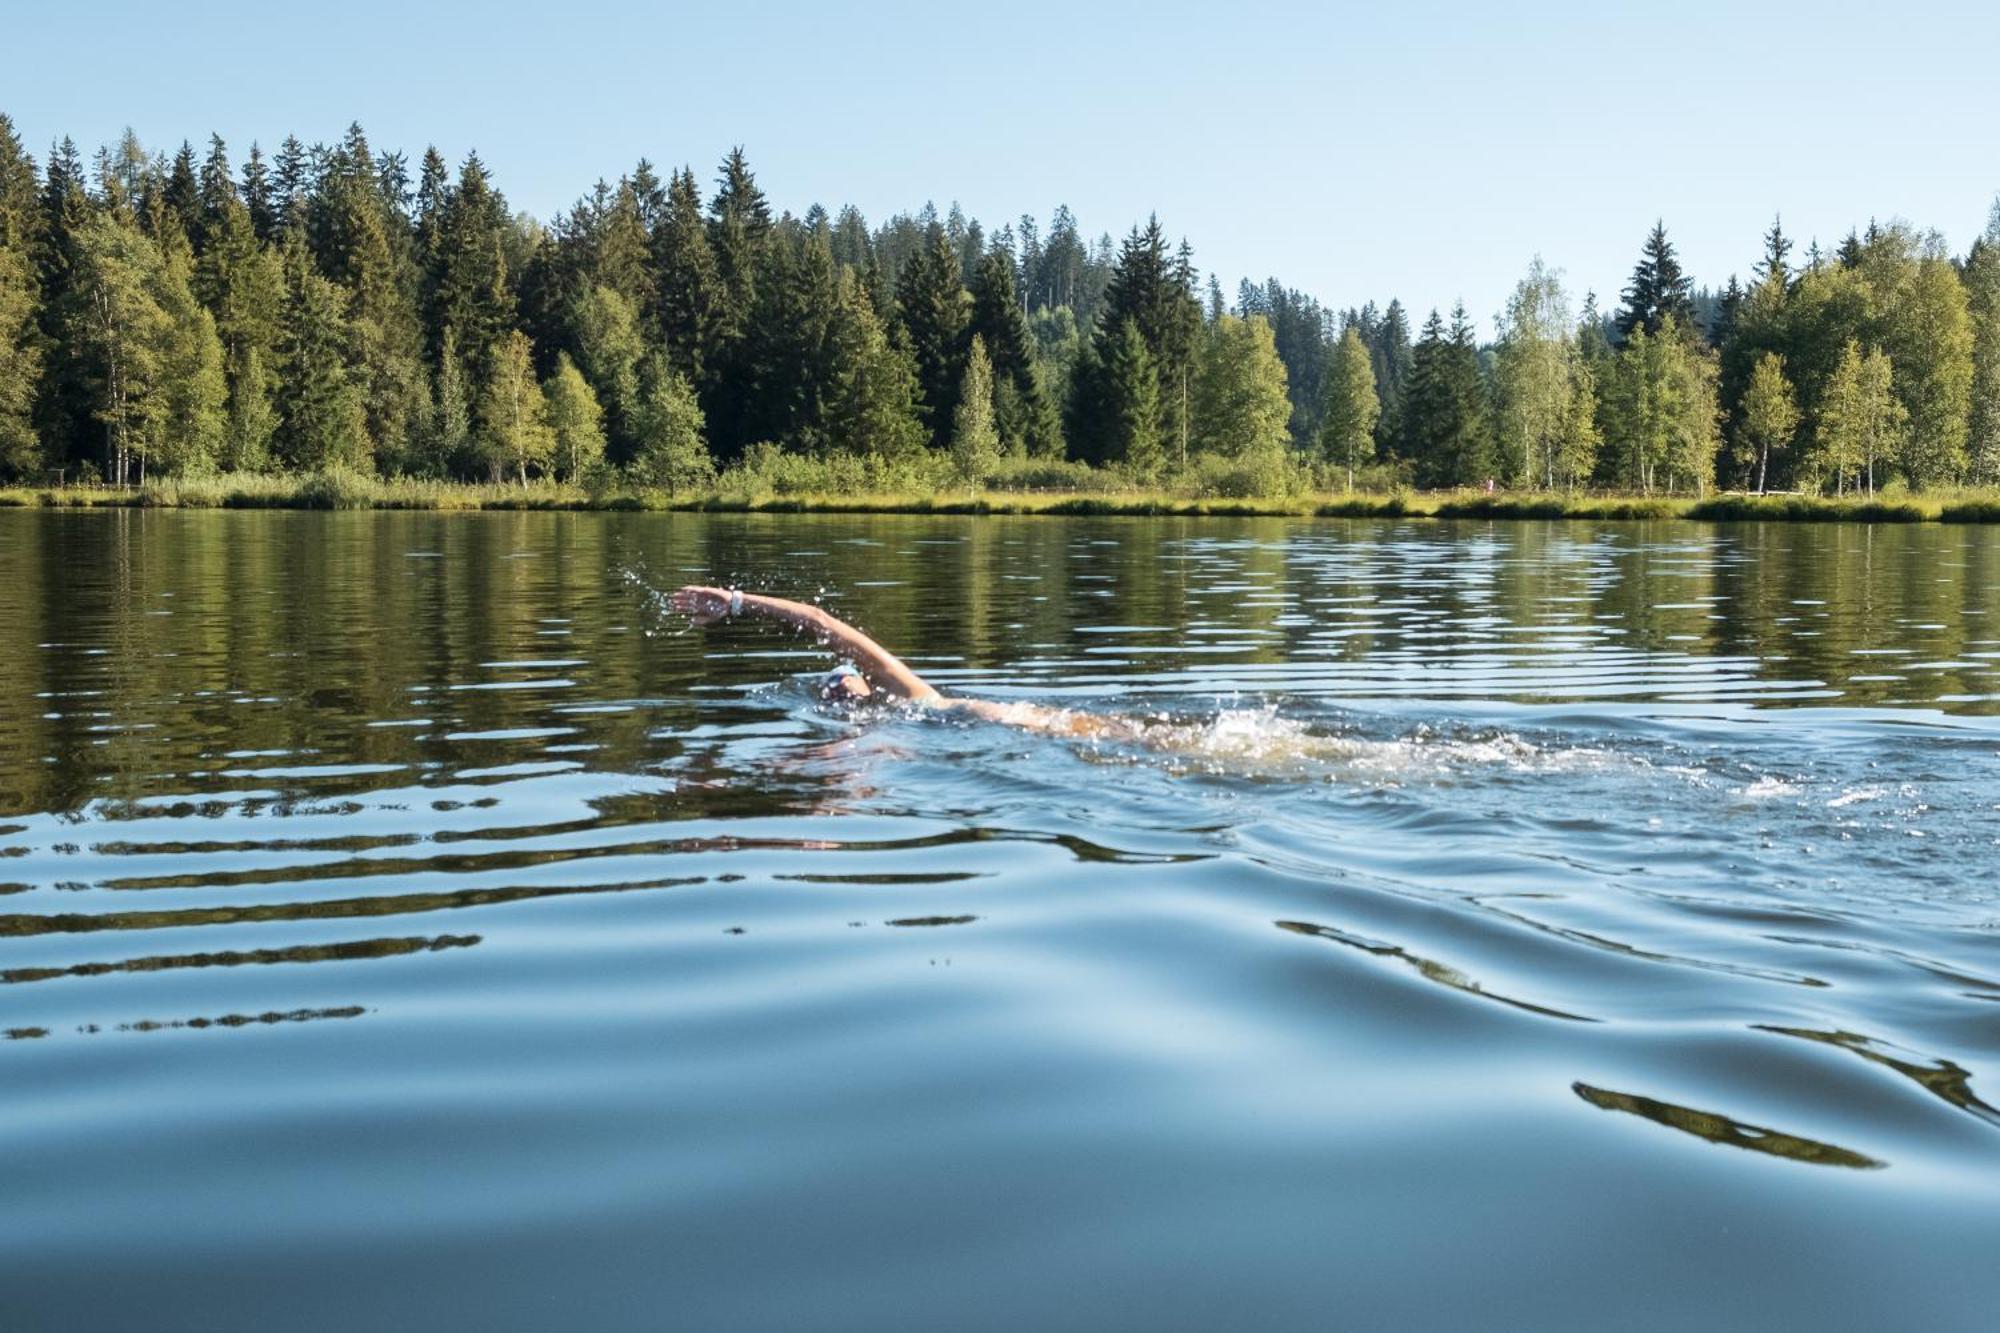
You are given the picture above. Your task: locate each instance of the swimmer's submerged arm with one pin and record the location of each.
(882, 669)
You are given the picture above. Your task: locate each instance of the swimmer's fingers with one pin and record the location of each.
(701, 605)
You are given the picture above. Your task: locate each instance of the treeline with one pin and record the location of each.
(328, 310)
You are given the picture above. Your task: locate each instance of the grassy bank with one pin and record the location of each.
(339, 491)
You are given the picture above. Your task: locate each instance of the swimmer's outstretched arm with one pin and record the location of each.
(882, 669)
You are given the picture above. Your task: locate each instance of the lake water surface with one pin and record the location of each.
(405, 923)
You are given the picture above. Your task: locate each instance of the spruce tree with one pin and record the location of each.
(257, 196)
(1982, 290)
(64, 407)
(470, 275)
(873, 404)
(688, 286)
(1659, 291)
(932, 309)
(321, 423)
(740, 222)
(20, 295)
(1132, 405)
(1023, 413)
(1444, 426)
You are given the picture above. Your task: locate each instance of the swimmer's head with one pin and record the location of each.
(843, 685)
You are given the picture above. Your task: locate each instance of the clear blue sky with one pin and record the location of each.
(1421, 150)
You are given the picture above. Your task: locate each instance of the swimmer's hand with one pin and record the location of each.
(702, 605)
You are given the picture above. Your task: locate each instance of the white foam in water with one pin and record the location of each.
(1260, 741)
(1770, 788)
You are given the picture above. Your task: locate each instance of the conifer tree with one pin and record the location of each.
(1132, 405)
(20, 297)
(242, 283)
(1777, 248)
(320, 417)
(1445, 435)
(932, 309)
(1026, 423)
(1347, 428)
(873, 402)
(1982, 290)
(64, 418)
(575, 420)
(257, 196)
(1390, 360)
(1659, 291)
(688, 291)
(740, 222)
(180, 196)
(470, 278)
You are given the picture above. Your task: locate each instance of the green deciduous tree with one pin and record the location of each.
(609, 352)
(1347, 428)
(672, 452)
(1769, 418)
(1662, 419)
(513, 414)
(975, 444)
(1535, 371)
(575, 420)
(1238, 406)
(1862, 423)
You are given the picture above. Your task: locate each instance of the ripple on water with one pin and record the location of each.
(1579, 886)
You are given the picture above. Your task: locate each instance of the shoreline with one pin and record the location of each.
(362, 494)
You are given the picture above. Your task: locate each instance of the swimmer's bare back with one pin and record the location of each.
(881, 669)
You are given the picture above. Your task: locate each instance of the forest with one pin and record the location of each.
(328, 311)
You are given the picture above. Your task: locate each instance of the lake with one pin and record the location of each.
(405, 921)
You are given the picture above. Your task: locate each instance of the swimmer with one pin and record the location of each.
(867, 670)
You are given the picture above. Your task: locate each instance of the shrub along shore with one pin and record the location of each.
(350, 491)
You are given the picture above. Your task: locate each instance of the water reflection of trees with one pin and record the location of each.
(144, 654)
(1721, 1129)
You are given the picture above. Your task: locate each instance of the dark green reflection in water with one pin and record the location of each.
(1721, 1129)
